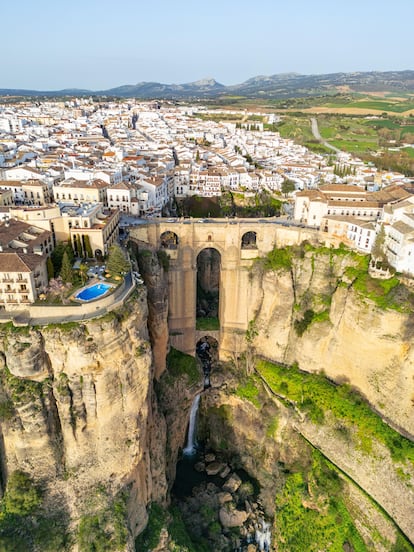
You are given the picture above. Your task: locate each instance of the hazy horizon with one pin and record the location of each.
(99, 44)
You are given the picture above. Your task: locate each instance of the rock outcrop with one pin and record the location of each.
(83, 414)
(356, 341)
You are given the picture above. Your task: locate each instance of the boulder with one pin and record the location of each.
(224, 497)
(225, 471)
(210, 457)
(232, 518)
(214, 468)
(200, 467)
(232, 483)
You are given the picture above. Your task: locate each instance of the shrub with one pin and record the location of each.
(163, 259)
(22, 496)
(278, 259)
(150, 537)
(182, 364)
(249, 391)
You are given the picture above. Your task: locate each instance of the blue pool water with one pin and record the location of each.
(92, 292)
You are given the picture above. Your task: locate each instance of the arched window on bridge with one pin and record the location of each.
(169, 240)
(249, 241)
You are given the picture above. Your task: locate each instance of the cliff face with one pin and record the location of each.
(354, 341)
(157, 289)
(84, 415)
(269, 440)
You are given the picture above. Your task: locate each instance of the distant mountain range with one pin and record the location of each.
(285, 85)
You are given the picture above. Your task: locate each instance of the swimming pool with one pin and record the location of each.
(92, 292)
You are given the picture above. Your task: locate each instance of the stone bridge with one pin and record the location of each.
(239, 242)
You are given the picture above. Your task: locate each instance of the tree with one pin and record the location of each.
(83, 269)
(378, 248)
(288, 186)
(79, 249)
(87, 246)
(57, 255)
(50, 268)
(66, 272)
(251, 334)
(117, 262)
(58, 288)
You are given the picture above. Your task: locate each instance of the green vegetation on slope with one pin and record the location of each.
(208, 323)
(386, 294)
(104, 527)
(25, 525)
(311, 513)
(179, 364)
(249, 390)
(179, 539)
(315, 395)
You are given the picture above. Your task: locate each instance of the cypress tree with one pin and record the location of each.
(88, 248)
(50, 268)
(66, 270)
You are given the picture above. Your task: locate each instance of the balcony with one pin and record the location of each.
(8, 280)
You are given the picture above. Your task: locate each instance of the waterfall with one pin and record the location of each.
(191, 443)
(262, 536)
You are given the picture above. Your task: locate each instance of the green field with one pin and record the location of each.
(383, 105)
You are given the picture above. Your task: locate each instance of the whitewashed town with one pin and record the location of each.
(82, 167)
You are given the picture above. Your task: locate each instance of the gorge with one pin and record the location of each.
(313, 357)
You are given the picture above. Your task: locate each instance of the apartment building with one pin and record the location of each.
(341, 200)
(398, 221)
(24, 250)
(157, 193)
(81, 191)
(120, 196)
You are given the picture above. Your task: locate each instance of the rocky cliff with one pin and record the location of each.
(81, 418)
(275, 443)
(91, 413)
(350, 337)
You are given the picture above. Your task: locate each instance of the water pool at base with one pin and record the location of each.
(92, 292)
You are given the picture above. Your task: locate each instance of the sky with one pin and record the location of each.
(100, 44)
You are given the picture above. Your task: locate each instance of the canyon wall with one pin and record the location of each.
(270, 439)
(355, 340)
(82, 418)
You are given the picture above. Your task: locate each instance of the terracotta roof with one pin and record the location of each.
(19, 262)
(15, 230)
(402, 228)
(349, 188)
(72, 183)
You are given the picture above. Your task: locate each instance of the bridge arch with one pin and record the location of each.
(169, 240)
(208, 271)
(249, 240)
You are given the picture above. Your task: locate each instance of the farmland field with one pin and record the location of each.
(383, 105)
